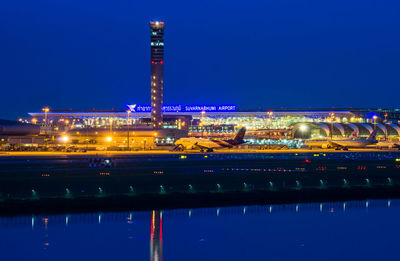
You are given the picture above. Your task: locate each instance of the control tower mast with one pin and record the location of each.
(157, 72)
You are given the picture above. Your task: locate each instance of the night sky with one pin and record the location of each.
(272, 54)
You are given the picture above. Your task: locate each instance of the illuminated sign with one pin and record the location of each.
(199, 108)
(184, 108)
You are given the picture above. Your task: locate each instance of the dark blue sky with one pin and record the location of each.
(95, 54)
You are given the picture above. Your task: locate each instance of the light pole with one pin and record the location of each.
(87, 133)
(110, 121)
(269, 129)
(46, 110)
(269, 119)
(375, 117)
(128, 112)
(201, 123)
(331, 119)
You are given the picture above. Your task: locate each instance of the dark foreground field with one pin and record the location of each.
(99, 183)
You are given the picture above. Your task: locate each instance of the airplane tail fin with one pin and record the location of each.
(354, 135)
(373, 134)
(238, 139)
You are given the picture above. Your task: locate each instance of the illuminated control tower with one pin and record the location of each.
(157, 72)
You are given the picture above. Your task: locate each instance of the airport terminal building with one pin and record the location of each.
(223, 120)
(169, 122)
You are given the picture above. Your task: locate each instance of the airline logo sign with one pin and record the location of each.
(186, 108)
(132, 107)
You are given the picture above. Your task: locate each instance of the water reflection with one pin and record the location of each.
(203, 230)
(156, 247)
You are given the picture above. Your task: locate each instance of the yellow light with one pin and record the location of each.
(34, 120)
(65, 138)
(46, 109)
(303, 128)
(155, 134)
(108, 139)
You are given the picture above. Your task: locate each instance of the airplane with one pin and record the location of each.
(343, 144)
(209, 145)
(387, 144)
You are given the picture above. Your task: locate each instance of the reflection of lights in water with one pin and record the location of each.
(45, 220)
(156, 244)
(39, 222)
(99, 218)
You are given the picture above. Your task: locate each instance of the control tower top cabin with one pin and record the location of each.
(157, 72)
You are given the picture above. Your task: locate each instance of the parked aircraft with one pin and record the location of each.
(209, 145)
(343, 144)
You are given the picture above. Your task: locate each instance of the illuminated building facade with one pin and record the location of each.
(157, 72)
(212, 121)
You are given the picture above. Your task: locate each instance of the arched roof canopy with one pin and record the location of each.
(345, 129)
(297, 131)
(393, 130)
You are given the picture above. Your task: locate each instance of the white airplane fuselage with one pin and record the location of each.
(209, 145)
(347, 143)
(386, 144)
(198, 143)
